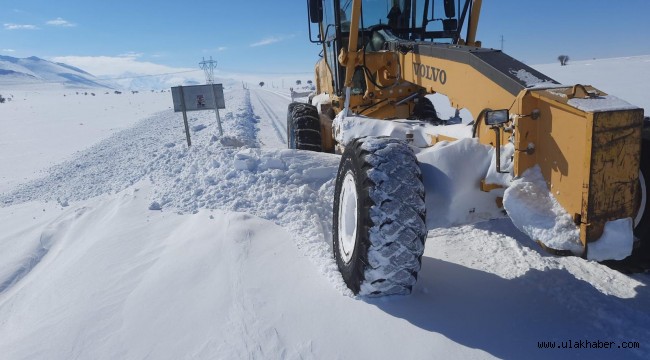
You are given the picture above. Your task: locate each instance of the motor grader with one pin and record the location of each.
(382, 61)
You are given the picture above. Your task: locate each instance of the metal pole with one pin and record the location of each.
(216, 109)
(187, 126)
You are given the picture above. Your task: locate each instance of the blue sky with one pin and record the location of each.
(261, 37)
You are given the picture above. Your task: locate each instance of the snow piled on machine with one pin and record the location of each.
(353, 127)
(601, 103)
(453, 196)
(534, 210)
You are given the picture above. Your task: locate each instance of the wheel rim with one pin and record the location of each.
(644, 195)
(347, 230)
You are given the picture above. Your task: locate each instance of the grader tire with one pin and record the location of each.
(425, 111)
(303, 127)
(639, 261)
(642, 225)
(379, 217)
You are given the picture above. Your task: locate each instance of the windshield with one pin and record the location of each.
(420, 15)
(377, 12)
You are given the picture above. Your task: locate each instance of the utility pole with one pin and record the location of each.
(208, 67)
(501, 42)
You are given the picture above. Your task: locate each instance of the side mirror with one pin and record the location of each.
(496, 117)
(450, 24)
(450, 8)
(315, 11)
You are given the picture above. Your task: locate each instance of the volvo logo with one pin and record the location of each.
(430, 73)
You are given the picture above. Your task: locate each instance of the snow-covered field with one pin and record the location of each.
(133, 246)
(42, 128)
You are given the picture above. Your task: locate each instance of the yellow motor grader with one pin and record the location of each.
(381, 61)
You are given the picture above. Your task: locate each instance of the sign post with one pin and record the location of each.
(196, 98)
(216, 111)
(187, 126)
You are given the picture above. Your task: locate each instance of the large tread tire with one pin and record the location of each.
(385, 255)
(425, 111)
(642, 228)
(303, 127)
(639, 261)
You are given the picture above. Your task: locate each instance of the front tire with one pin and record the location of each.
(642, 221)
(379, 217)
(303, 127)
(425, 110)
(639, 260)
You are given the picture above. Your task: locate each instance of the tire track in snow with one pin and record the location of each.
(275, 121)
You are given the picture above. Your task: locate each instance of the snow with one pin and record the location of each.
(503, 178)
(133, 245)
(615, 243)
(601, 103)
(453, 196)
(531, 80)
(36, 73)
(534, 210)
(43, 128)
(348, 128)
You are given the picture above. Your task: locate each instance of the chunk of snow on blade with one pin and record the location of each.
(615, 243)
(451, 173)
(601, 103)
(529, 79)
(351, 127)
(534, 211)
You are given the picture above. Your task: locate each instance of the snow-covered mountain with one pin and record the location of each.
(21, 72)
(134, 81)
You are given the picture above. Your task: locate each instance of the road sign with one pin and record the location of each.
(196, 98)
(199, 97)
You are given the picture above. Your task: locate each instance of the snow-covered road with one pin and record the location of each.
(140, 247)
(271, 108)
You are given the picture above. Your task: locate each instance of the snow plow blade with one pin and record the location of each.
(587, 145)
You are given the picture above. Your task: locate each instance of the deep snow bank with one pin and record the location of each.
(291, 188)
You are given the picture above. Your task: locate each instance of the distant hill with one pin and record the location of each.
(34, 71)
(134, 81)
(37, 73)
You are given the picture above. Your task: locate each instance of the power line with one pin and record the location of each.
(208, 68)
